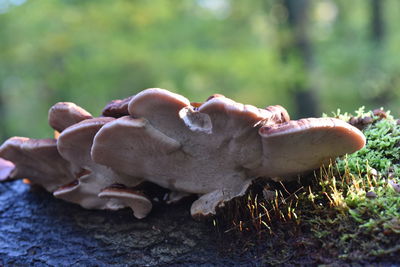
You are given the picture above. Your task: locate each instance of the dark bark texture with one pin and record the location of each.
(38, 230)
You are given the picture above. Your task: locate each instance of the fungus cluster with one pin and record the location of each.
(213, 149)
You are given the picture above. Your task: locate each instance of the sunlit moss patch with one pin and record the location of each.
(348, 211)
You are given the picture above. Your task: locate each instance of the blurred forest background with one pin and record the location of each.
(311, 56)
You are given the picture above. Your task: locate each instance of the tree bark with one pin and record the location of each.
(38, 230)
(3, 124)
(377, 36)
(377, 23)
(299, 47)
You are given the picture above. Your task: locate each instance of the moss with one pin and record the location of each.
(347, 211)
(368, 176)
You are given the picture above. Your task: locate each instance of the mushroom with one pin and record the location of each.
(6, 168)
(65, 114)
(38, 160)
(213, 149)
(169, 133)
(74, 144)
(118, 197)
(117, 108)
(299, 146)
(218, 148)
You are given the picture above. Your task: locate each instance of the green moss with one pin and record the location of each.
(348, 211)
(381, 151)
(373, 170)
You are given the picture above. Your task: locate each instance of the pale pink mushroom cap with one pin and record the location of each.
(74, 144)
(117, 108)
(124, 197)
(6, 167)
(299, 146)
(38, 160)
(167, 141)
(65, 114)
(214, 149)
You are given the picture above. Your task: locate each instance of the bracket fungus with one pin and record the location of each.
(6, 168)
(93, 187)
(65, 114)
(37, 160)
(216, 149)
(213, 149)
(117, 108)
(125, 197)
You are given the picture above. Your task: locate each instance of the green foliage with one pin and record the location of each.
(90, 52)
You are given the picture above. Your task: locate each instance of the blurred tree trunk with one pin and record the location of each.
(3, 126)
(377, 23)
(377, 37)
(299, 47)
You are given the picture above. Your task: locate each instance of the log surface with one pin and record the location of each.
(38, 230)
